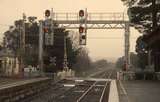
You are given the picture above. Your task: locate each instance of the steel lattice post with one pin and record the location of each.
(127, 46)
(65, 63)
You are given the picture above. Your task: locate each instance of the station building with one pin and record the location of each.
(9, 65)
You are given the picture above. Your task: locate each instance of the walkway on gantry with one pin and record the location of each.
(93, 21)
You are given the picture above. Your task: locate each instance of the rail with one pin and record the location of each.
(84, 94)
(102, 99)
(104, 94)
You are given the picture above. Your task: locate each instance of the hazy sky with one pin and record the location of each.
(98, 48)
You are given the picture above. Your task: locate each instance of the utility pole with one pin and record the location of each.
(65, 61)
(22, 44)
(23, 31)
(127, 46)
(127, 43)
(41, 47)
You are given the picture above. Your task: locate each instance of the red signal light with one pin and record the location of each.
(47, 13)
(81, 13)
(46, 30)
(81, 29)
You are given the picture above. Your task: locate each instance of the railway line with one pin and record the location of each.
(80, 90)
(109, 74)
(94, 89)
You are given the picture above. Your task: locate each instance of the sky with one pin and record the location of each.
(111, 47)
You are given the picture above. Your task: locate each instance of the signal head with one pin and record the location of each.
(47, 13)
(81, 13)
(81, 29)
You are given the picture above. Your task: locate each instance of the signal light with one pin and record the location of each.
(46, 30)
(81, 29)
(81, 13)
(47, 13)
(83, 36)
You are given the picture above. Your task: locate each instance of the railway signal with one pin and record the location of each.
(83, 27)
(47, 13)
(81, 13)
(82, 35)
(82, 16)
(47, 29)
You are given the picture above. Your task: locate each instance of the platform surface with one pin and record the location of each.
(9, 82)
(139, 91)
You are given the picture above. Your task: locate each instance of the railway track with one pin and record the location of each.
(66, 90)
(71, 90)
(109, 74)
(83, 92)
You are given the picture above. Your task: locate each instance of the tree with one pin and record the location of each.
(142, 60)
(83, 61)
(120, 63)
(145, 17)
(134, 60)
(12, 42)
(101, 63)
(140, 14)
(141, 46)
(137, 61)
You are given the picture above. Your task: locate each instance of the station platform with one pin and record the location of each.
(4, 81)
(139, 91)
(8, 83)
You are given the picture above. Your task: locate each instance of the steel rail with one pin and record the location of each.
(90, 88)
(107, 83)
(86, 92)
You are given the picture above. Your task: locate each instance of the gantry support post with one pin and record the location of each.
(127, 46)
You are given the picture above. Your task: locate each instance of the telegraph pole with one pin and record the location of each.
(65, 61)
(41, 47)
(23, 31)
(22, 44)
(127, 46)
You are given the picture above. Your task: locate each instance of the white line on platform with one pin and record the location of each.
(124, 91)
(113, 93)
(122, 87)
